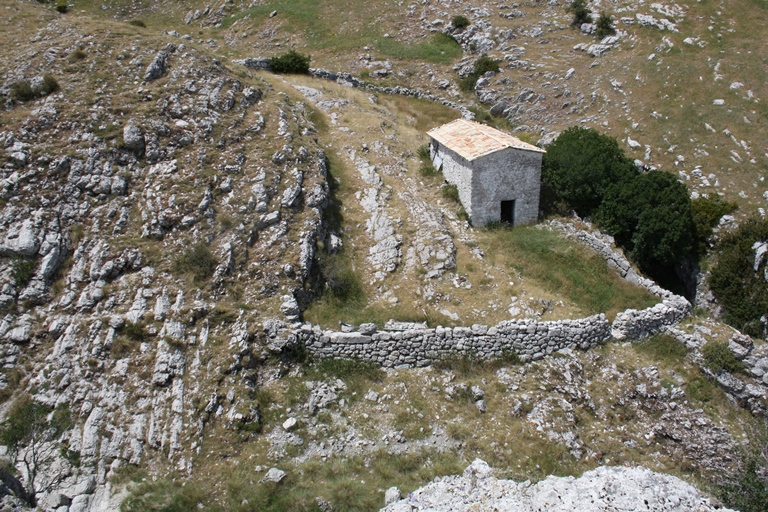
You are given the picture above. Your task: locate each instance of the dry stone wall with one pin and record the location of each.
(529, 339)
(412, 345)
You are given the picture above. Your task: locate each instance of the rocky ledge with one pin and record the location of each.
(602, 489)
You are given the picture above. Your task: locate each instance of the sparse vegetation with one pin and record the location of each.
(22, 91)
(77, 55)
(718, 357)
(663, 347)
(22, 270)
(197, 261)
(291, 62)
(451, 192)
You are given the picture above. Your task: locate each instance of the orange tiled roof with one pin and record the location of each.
(473, 140)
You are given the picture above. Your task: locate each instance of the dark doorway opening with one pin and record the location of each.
(508, 212)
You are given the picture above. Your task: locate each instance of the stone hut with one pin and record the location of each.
(498, 176)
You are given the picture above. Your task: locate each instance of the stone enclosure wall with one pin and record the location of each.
(415, 345)
(412, 345)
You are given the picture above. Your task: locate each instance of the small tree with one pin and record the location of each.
(291, 62)
(651, 217)
(580, 166)
(581, 13)
(604, 25)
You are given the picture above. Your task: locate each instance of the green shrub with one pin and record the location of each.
(50, 85)
(485, 64)
(22, 270)
(467, 84)
(748, 491)
(137, 23)
(707, 212)
(460, 21)
(581, 165)
(604, 25)
(663, 347)
(650, 216)
(581, 13)
(62, 7)
(291, 62)
(699, 389)
(197, 261)
(22, 91)
(718, 356)
(451, 192)
(741, 291)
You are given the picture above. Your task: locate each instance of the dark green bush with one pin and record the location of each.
(717, 357)
(739, 289)
(707, 212)
(650, 216)
(604, 25)
(423, 153)
(482, 65)
(291, 62)
(581, 165)
(485, 64)
(581, 13)
(467, 84)
(460, 21)
(137, 23)
(22, 91)
(22, 271)
(62, 7)
(197, 261)
(748, 492)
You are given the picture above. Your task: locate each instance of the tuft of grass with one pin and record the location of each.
(197, 261)
(663, 347)
(77, 55)
(22, 91)
(138, 23)
(50, 85)
(451, 192)
(427, 169)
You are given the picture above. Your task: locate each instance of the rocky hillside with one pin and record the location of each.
(166, 212)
